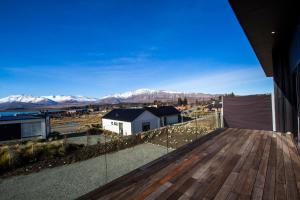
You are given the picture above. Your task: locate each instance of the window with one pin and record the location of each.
(31, 129)
(114, 123)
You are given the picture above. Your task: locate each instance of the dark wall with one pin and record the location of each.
(250, 112)
(10, 132)
(284, 89)
(285, 69)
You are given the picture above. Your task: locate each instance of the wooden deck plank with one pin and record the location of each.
(242, 178)
(223, 172)
(248, 185)
(269, 188)
(213, 176)
(262, 171)
(280, 190)
(232, 178)
(223, 146)
(295, 161)
(234, 164)
(207, 153)
(291, 185)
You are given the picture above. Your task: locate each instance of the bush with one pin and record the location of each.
(55, 135)
(4, 158)
(21, 154)
(96, 126)
(94, 131)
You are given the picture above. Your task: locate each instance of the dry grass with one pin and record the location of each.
(21, 154)
(83, 120)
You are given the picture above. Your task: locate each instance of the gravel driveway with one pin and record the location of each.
(74, 180)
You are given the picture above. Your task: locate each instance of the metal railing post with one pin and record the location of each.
(167, 139)
(222, 117)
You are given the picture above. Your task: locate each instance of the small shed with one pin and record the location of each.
(22, 127)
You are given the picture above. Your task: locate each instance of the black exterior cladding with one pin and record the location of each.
(286, 56)
(10, 131)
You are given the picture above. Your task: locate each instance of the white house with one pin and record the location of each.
(129, 121)
(135, 120)
(23, 127)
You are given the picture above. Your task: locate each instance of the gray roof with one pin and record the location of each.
(163, 110)
(130, 114)
(121, 114)
(13, 118)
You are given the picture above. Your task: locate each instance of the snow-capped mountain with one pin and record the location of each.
(26, 99)
(148, 96)
(137, 96)
(138, 92)
(69, 99)
(29, 101)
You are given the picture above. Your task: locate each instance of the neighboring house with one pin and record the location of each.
(129, 121)
(23, 127)
(167, 114)
(134, 120)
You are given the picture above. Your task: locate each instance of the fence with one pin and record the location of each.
(112, 156)
(150, 145)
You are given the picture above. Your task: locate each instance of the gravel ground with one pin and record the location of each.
(74, 180)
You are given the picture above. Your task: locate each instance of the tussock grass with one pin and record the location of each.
(21, 154)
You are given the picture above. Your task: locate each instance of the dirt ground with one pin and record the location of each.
(75, 124)
(178, 135)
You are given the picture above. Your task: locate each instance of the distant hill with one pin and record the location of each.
(29, 101)
(148, 96)
(137, 96)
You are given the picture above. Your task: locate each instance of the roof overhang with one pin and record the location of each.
(262, 21)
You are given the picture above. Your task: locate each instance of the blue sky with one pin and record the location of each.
(95, 48)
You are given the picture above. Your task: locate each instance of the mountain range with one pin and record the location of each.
(149, 96)
(137, 96)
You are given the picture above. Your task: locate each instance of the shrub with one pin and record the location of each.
(54, 135)
(21, 154)
(96, 126)
(4, 158)
(94, 131)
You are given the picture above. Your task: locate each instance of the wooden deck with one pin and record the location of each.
(229, 164)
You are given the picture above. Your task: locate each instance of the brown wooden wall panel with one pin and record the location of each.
(251, 112)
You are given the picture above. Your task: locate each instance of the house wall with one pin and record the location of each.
(30, 128)
(286, 80)
(172, 119)
(33, 129)
(113, 126)
(145, 117)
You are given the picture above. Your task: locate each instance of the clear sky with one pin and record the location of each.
(100, 47)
